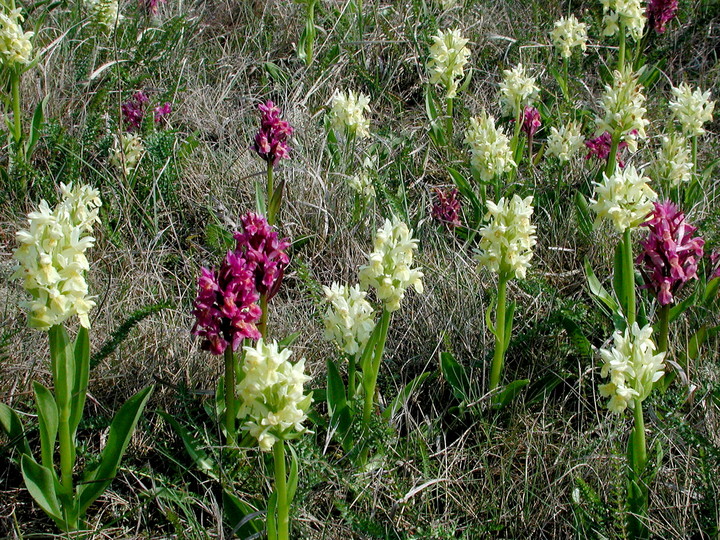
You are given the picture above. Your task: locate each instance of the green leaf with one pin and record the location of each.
(271, 522)
(369, 350)
(292, 481)
(403, 396)
(466, 81)
(276, 73)
(40, 482)
(339, 428)
(710, 293)
(580, 343)
(82, 374)
(336, 395)
(11, 424)
(679, 308)
(455, 375)
(260, 199)
(584, 219)
(468, 192)
(488, 317)
(48, 422)
(36, 127)
(241, 516)
(195, 450)
(276, 198)
(599, 292)
(509, 393)
(121, 430)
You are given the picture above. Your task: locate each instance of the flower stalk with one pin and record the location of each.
(283, 510)
(230, 409)
(638, 492)
(629, 271)
(500, 338)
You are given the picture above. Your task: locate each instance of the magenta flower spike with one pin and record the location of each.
(715, 264)
(259, 245)
(133, 111)
(531, 121)
(161, 111)
(225, 310)
(447, 207)
(271, 141)
(670, 255)
(599, 147)
(660, 12)
(151, 6)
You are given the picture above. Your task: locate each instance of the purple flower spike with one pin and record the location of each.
(271, 141)
(161, 111)
(133, 111)
(260, 245)
(715, 263)
(660, 12)
(225, 308)
(599, 147)
(447, 207)
(670, 255)
(531, 121)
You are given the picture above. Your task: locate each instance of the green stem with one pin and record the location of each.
(283, 520)
(694, 157)
(638, 495)
(230, 396)
(270, 194)
(612, 156)
(621, 51)
(17, 120)
(352, 370)
(500, 338)
(449, 122)
(629, 272)
(566, 79)
(518, 126)
(262, 325)
(664, 320)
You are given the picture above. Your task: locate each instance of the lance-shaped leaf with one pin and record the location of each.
(40, 482)
(81, 376)
(12, 426)
(48, 422)
(121, 430)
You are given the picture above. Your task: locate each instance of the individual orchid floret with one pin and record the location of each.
(661, 12)
(104, 13)
(126, 152)
(133, 110)
(161, 112)
(447, 207)
(226, 310)
(51, 257)
(670, 254)
(673, 163)
(632, 367)
(624, 110)
(347, 112)
(448, 57)
(628, 13)
(531, 121)
(508, 237)
(567, 34)
(15, 45)
(272, 394)
(271, 141)
(388, 269)
(692, 109)
(715, 265)
(625, 198)
(565, 142)
(517, 90)
(261, 246)
(489, 147)
(599, 148)
(349, 319)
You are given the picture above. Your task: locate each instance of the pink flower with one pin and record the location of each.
(599, 147)
(271, 141)
(660, 12)
(161, 111)
(151, 5)
(259, 245)
(133, 111)
(447, 207)
(714, 260)
(670, 255)
(225, 308)
(531, 121)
